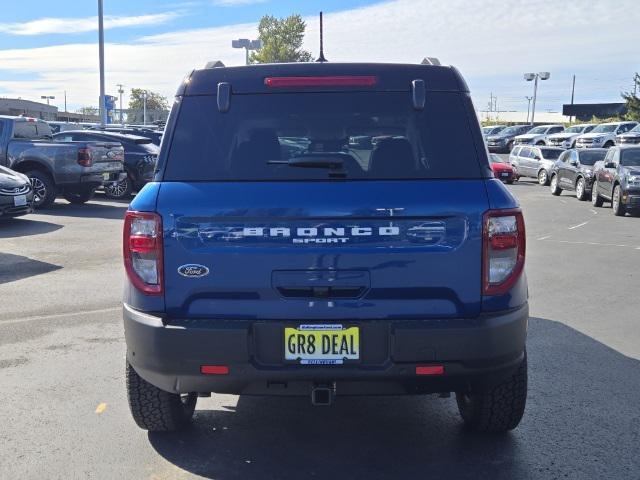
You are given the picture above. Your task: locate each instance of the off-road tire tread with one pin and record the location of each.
(154, 409)
(500, 408)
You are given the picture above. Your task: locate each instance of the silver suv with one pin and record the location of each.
(534, 162)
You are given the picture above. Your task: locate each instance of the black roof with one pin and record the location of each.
(390, 77)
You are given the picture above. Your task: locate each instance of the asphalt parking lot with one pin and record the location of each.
(64, 412)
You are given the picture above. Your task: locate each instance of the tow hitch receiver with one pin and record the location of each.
(322, 395)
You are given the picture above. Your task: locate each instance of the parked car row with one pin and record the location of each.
(73, 164)
(502, 139)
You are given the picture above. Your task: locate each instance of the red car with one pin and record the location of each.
(502, 169)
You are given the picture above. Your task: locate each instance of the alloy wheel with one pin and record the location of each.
(118, 189)
(39, 190)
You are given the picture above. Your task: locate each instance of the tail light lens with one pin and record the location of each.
(142, 249)
(504, 250)
(84, 157)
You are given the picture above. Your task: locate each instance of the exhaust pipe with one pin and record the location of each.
(322, 395)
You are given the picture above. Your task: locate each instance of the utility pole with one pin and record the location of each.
(121, 91)
(103, 109)
(144, 107)
(528, 107)
(573, 90)
(65, 101)
(535, 76)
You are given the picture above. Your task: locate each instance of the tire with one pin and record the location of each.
(119, 190)
(497, 409)
(540, 144)
(44, 189)
(555, 189)
(543, 177)
(618, 209)
(509, 146)
(581, 189)
(80, 196)
(509, 182)
(596, 200)
(156, 410)
(608, 144)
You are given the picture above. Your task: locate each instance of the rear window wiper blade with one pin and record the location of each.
(332, 161)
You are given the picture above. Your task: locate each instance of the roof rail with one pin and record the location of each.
(215, 64)
(430, 61)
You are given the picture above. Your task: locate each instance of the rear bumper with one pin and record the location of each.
(474, 352)
(98, 179)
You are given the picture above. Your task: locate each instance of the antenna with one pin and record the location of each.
(321, 58)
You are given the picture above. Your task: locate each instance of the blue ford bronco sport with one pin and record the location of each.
(325, 230)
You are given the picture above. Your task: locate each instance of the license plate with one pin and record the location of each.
(504, 174)
(20, 200)
(321, 344)
(106, 176)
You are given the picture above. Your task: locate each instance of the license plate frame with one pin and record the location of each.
(334, 344)
(20, 201)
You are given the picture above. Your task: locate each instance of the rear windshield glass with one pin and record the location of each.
(630, 158)
(319, 136)
(551, 153)
(590, 158)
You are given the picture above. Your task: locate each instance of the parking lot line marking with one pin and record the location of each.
(580, 225)
(595, 212)
(596, 244)
(545, 237)
(60, 315)
(101, 408)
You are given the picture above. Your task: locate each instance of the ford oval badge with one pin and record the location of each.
(193, 270)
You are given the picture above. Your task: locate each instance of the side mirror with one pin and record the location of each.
(573, 163)
(609, 165)
(537, 157)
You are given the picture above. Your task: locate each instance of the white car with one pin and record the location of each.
(567, 139)
(538, 135)
(604, 135)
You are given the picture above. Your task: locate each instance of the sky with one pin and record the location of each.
(47, 48)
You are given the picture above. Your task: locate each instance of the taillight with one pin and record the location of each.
(142, 250)
(324, 81)
(503, 251)
(84, 157)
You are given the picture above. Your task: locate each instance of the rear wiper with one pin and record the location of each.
(331, 161)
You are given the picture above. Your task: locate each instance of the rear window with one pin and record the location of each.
(551, 153)
(590, 158)
(318, 136)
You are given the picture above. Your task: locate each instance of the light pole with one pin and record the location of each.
(528, 107)
(121, 91)
(247, 45)
(144, 107)
(103, 109)
(47, 98)
(535, 76)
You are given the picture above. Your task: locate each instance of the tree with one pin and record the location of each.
(157, 106)
(281, 40)
(88, 111)
(633, 101)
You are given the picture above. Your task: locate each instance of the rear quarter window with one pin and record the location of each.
(375, 135)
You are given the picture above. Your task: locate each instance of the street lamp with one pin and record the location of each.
(121, 91)
(247, 45)
(144, 107)
(535, 76)
(47, 98)
(103, 107)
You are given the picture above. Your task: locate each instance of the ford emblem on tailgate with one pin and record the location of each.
(193, 271)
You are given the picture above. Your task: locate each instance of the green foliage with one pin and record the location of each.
(281, 40)
(88, 111)
(155, 101)
(633, 101)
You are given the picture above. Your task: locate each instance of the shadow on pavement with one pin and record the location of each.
(17, 267)
(581, 422)
(111, 210)
(22, 227)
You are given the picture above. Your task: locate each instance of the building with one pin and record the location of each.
(17, 106)
(541, 118)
